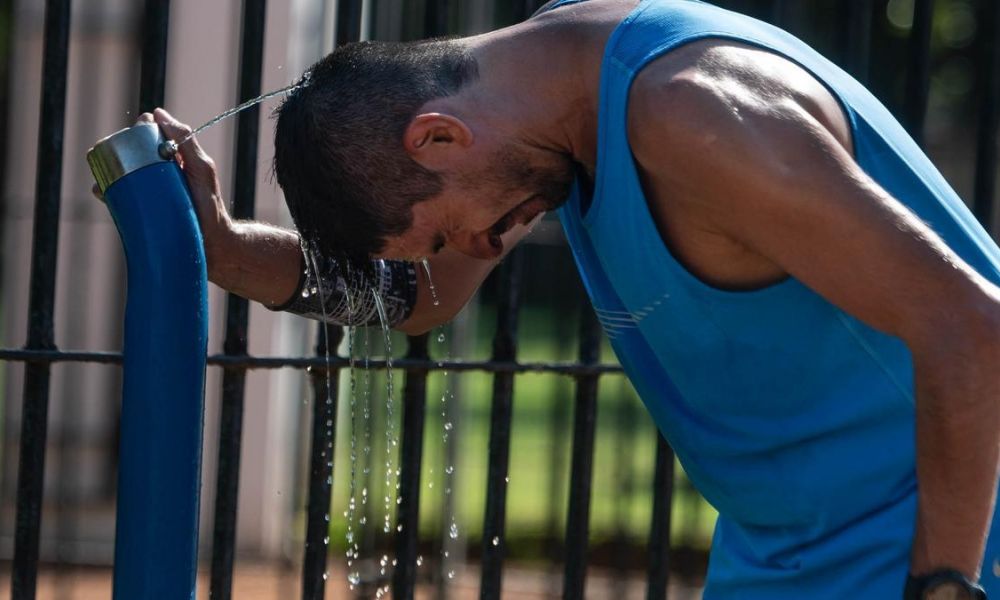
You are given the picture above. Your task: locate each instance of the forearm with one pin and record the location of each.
(257, 261)
(958, 450)
(264, 263)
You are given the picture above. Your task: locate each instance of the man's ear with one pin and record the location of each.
(435, 140)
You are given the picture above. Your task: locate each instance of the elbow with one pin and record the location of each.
(423, 323)
(414, 328)
(425, 318)
(979, 330)
(967, 329)
(956, 361)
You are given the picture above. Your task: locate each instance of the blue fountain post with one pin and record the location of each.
(166, 332)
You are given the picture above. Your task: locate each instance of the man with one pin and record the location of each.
(806, 308)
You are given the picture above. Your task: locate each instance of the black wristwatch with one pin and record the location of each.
(946, 584)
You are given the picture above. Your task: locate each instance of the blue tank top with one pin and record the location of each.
(793, 418)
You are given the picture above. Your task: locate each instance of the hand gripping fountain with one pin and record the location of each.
(166, 332)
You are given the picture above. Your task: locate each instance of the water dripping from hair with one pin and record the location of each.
(352, 547)
(327, 453)
(390, 438)
(430, 281)
(447, 397)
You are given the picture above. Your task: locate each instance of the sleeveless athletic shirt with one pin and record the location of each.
(793, 418)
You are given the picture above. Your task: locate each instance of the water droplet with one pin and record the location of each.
(451, 574)
(430, 282)
(507, 479)
(325, 576)
(420, 561)
(496, 540)
(453, 531)
(448, 426)
(449, 470)
(441, 338)
(399, 527)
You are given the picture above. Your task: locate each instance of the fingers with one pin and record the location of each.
(193, 157)
(145, 118)
(96, 191)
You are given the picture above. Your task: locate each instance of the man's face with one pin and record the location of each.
(482, 202)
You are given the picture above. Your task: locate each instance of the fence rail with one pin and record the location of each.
(40, 352)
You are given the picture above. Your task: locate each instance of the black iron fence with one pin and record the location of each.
(849, 38)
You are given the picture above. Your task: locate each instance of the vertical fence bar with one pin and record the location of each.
(778, 12)
(581, 472)
(501, 413)
(348, 21)
(989, 116)
(523, 9)
(404, 576)
(324, 416)
(153, 75)
(659, 529)
(504, 350)
(237, 309)
(407, 534)
(436, 16)
(324, 426)
(918, 74)
(44, 250)
(856, 37)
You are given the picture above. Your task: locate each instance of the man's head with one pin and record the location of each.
(369, 167)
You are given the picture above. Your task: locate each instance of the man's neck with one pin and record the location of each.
(539, 81)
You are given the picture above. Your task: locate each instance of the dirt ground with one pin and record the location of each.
(269, 582)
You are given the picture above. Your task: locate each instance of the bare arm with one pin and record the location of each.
(774, 179)
(263, 262)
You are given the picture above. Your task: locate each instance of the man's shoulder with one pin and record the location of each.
(723, 83)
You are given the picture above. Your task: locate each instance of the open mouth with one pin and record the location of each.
(522, 214)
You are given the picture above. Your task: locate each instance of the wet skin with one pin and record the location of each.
(747, 167)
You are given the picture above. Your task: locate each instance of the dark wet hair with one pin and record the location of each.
(338, 144)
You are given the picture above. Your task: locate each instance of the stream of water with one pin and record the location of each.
(169, 148)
